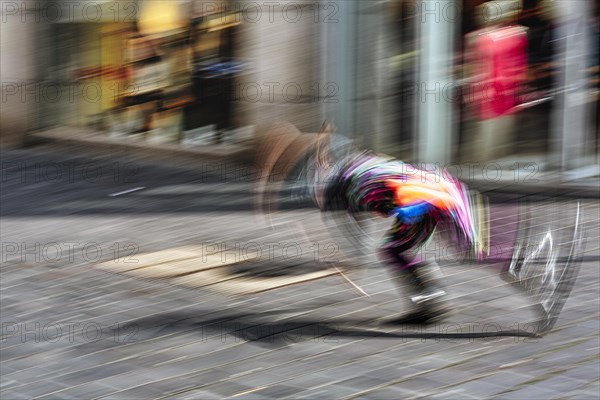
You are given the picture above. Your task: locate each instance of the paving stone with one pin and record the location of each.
(529, 393)
(325, 391)
(187, 345)
(40, 388)
(587, 393)
(344, 372)
(450, 393)
(363, 382)
(417, 384)
(85, 391)
(94, 374)
(278, 391)
(257, 379)
(229, 389)
(199, 394)
(583, 372)
(176, 385)
(505, 379)
(16, 396)
(560, 384)
(389, 393)
(142, 392)
(478, 388)
(309, 380)
(389, 373)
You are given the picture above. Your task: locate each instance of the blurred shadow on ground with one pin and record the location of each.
(264, 330)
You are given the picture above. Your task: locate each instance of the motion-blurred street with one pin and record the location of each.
(73, 330)
(191, 193)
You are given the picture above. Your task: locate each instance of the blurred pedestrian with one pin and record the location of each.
(343, 178)
(418, 201)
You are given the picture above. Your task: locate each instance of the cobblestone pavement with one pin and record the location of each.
(71, 330)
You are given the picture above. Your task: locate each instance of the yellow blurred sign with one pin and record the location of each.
(159, 17)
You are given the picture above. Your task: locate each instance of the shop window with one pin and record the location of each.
(214, 73)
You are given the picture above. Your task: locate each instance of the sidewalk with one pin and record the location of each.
(527, 175)
(90, 142)
(515, 175)
(100, 334)
(72, 329)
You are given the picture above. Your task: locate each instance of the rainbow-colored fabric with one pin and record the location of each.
(387, 186)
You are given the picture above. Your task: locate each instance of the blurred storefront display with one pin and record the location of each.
(496, 61)
(548, 87)
(392, 75)
(215, 70)
(159, 72)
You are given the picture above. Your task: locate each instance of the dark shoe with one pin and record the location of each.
(428, 298)
(429, 308)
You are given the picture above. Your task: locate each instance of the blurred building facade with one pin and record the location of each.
(390, 74)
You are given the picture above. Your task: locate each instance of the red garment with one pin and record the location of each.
(501, 65)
